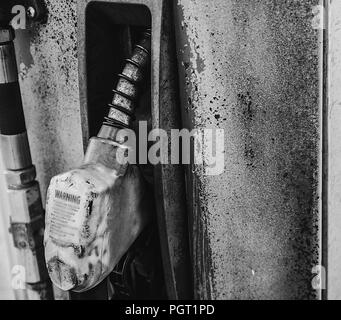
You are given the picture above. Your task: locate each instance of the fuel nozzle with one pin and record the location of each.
(94, 213)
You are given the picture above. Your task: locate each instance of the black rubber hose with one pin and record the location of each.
(5, 13)
(12, 120)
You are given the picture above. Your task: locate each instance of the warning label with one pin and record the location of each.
(63, 215)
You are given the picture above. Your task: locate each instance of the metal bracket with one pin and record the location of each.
(28, 235)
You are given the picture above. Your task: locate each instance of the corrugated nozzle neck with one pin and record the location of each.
(122, 107)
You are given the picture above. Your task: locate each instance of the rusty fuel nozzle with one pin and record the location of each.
(95, 213)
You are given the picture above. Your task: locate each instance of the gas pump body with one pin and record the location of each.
(248, 240)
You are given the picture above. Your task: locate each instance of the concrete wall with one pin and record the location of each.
(251, 67)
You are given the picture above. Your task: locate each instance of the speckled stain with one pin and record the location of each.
(251, 68)
(47, 60)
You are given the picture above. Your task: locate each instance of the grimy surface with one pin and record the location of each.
(48, 66)
(252, 69)
(48, 73)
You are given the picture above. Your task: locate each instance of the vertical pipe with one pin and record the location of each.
(333, 115)
(26, 211)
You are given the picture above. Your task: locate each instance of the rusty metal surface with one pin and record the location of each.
(252, 68)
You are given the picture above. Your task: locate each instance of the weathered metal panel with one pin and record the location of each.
(251, 67)
(334, 176)
(48, 65)
(47, 59)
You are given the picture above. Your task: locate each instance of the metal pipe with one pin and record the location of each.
(27, 214)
